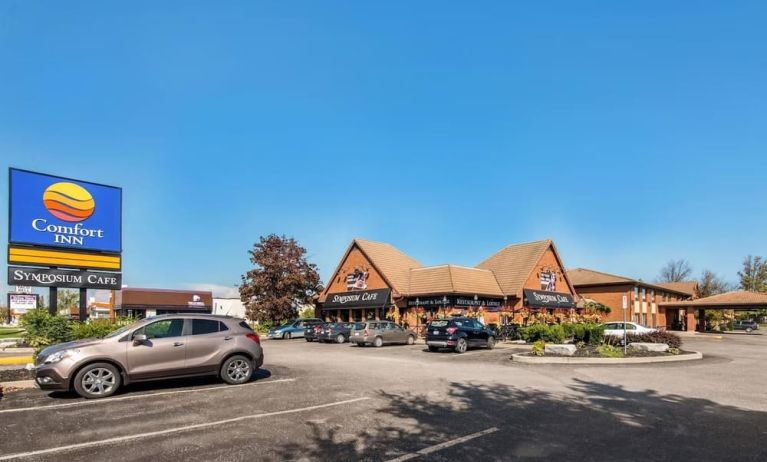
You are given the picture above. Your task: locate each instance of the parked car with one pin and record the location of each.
(379, 333)
(458, 334)
(748, 326)
(159, 347)
(292, 329)
(312, 331)
(616, 328)
(338, 332)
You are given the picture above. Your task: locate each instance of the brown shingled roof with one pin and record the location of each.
(582, 277)
(585, 277)
(453, 279)
(688, 287)
(393, 264)
(513, 264)
(728, 299)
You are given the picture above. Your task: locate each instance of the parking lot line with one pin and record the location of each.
(153, 434)
(439, 447)
(141, 395)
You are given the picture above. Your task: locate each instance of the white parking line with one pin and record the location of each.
(141, 395)
(439, 447)
(175, 430)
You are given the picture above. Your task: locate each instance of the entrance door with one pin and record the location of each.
(164, 352)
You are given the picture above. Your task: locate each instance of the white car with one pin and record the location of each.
(616, 328)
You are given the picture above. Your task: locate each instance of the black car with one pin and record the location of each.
(312, 331)
(458, 334)
(747, 326)
(337, 332)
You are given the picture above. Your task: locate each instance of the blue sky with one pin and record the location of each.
(629, 133)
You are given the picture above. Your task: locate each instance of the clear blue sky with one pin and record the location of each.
(630, 134)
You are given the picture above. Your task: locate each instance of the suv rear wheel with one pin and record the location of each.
(97, 380)
(491, 343)
(378, 342)
(340, 338)
(461, 346)
(236, 370)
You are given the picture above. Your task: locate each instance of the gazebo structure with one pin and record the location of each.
(738, 300)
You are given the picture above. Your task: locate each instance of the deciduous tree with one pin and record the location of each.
(281, 280)
(675, 271)
(711, 284)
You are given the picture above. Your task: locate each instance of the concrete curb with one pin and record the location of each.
(522, 358)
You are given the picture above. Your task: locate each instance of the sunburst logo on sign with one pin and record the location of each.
(69, 202)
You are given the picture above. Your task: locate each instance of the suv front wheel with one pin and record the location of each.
(97, 380)
(236, 370)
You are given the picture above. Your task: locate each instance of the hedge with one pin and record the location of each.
(669, 338)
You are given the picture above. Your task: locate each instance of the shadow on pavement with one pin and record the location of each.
(166, 385)
(596, 422)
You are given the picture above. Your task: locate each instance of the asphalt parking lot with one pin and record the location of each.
(336, 402)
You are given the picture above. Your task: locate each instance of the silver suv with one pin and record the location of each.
(161, 347)
(378, 333)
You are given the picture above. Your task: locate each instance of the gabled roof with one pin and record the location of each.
(582, 277)
(514, 264)
(688, 287)
(728, 299)
(393, 264)
(453, 279)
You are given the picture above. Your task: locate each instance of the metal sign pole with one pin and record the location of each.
(625, 308)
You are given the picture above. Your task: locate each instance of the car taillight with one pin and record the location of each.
(365, 333)
(254, 337)
(451, 330)
(316, 328)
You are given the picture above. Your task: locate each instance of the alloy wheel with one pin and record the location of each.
(99, 381)
(238, 370)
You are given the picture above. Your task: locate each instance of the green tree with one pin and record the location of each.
(281, 279)
(711, 284)
(753, 276)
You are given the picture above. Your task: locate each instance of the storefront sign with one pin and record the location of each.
(458, 301)
(39, 277)
(54, 211)
(358, 299)
(546, 299)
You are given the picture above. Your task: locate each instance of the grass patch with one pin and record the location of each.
(11, 332)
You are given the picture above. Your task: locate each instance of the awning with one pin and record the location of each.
(358, 299)
(546, 299)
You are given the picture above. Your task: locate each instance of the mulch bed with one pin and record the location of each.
(590, 351)
(9, 375)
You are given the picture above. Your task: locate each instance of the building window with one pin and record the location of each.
(636, 293)
(654, 320)
(652, 295)
(644, 293)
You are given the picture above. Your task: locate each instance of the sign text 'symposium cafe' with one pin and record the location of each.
(373, 280)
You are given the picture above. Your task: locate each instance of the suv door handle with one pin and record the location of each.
(228, 337)
(178, 344)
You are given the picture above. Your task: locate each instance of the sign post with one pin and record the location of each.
(625, 308)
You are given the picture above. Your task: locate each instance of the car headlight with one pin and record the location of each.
(59, 356)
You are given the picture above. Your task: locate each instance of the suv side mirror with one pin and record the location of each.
(140, 339)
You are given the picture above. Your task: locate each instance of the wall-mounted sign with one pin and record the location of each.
(546, 299)
(20, 303)
(40, 277)
(460, 301)
(358, 299)
(23, 289)
(357, 279)
(53, 211)
(548, 280)
(63, 258)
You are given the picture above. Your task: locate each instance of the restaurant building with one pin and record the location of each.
(142, 303)
(375, 280)
(645, 300)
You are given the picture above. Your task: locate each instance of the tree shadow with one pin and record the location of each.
(591, 422)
